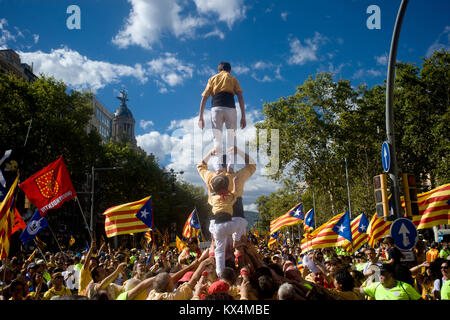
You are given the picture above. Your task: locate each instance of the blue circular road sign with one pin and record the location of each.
(404, 233)
(386, 156)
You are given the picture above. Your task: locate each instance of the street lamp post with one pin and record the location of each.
(93, 169)
(393, 174)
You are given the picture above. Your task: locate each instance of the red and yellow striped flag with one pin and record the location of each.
(434, 207)
(148, 237)
(7, 208)
(294, 216)
(324, 236)
(180, 245)
(378, 228)
(122, 219)
(359, 238)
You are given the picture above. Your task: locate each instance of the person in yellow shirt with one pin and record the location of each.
(57, 288)
(223, 87)
(433, 253)
(222, 196)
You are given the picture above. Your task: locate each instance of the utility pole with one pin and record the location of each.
(393, 173)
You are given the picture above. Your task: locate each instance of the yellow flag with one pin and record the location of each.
(180, 245)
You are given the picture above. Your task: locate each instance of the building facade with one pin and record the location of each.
(10, 63)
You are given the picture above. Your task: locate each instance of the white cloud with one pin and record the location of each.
(5, 35)
(228, 11)
(301, 54)
(215, 33)
(442, 42)
(284, 16)
(169, 70)
(183, 145)
(78, 71)
(382, 60)
(240, 69)
(145, 124)
(149, 19)
(260, 70)
(366, 73)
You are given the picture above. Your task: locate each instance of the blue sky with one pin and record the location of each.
(163, 51)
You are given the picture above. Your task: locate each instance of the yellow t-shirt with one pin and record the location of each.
(222, 82)
(52, 292)
(184, 292)
(85, 278)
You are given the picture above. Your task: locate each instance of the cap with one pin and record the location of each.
(218, 286)
(187, 276)
(56, 274)
(40, 261)
(32, 265)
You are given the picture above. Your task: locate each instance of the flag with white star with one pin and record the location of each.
(309, 220)
(363, 224)
(292, 217)
(127, 218)
(343, 228)
(360, 226)
(145, 213)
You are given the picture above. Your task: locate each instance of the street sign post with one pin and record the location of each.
(386, 156)
(404, 233)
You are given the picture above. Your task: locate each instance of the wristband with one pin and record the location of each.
(204, 273)
(211, 254)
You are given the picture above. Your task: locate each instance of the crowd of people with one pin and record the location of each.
(255, 272)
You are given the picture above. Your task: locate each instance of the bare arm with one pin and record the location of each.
(242, 106)
(133, 293)
(88, 255)
(102, 285)
(201, 122)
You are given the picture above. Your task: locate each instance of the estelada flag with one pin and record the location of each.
(434, 207)
(50, 187)
(126, 218)
(294, 216)
(7, 207)
(191, 228)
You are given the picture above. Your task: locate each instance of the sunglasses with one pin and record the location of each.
(444, 267)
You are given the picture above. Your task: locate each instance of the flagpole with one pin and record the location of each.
(84, 218)
(198, 218)
(39, 250)
(56, 240)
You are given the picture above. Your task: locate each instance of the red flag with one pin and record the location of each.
(50, 187)
(19, 224)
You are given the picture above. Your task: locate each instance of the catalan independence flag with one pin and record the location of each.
(127, 218)
(309, 221)
(273, 239)
(359, 227)
(434, 207)
(292, 217)
(323, 236)
(378, 228)
(180, 244)
(7, 208)
(191, 228)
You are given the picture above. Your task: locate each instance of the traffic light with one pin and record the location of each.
(381, 197)
(410, 194)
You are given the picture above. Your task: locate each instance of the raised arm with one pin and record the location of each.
(102, 285)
